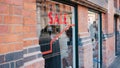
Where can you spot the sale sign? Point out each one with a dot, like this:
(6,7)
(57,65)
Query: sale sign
(57,19)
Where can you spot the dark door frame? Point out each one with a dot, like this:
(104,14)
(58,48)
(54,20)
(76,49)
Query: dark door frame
(101,37)
(115,31)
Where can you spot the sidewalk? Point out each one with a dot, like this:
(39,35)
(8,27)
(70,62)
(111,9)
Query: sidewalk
(116,63)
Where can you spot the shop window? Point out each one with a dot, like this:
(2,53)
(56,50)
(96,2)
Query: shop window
(55,32)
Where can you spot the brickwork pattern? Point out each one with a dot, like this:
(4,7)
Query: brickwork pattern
(18,34)
(109,42)
(85,46)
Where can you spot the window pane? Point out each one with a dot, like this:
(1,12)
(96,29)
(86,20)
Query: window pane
(55,32)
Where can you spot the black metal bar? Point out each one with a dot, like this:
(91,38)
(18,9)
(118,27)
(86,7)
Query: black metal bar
(76,37)
(115,31)
(101,40)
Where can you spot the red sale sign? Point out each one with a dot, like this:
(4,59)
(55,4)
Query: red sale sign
(57,20)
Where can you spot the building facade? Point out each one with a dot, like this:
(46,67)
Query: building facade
(59,33)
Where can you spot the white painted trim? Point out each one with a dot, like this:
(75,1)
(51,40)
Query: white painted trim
(32,46)
(34,38)
(83,33)
(31,54)
(85,40)
(84,36)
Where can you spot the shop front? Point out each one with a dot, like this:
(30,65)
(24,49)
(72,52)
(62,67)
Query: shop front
(56,31)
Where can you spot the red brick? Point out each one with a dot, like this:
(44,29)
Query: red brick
(31,1)
(17,2)
(30,6)
(4,29)
(29,21)
(16,10)
(8,1)
(2,39)
(11,38)
(33,28)
(1,20)
(18,47)
(4,48)
(16,28)
(29,29)
(27,13)
(26,29)
(17,19)
(29,35)
(15,46)
(1,1)
(4,9)
(28,43)
(35,41)
(83,19)
(13,2)
(13,19)
(7,19)
(33,14)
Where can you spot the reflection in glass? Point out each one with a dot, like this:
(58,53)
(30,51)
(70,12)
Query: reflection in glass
(53,18)
(93,31)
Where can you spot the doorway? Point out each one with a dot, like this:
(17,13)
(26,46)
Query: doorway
(94,29)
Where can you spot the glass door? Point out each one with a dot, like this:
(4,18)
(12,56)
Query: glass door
(56,28)
(95,35)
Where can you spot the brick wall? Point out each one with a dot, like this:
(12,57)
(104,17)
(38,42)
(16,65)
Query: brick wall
(105,31)
(85,46)
(108,32)
(18,40)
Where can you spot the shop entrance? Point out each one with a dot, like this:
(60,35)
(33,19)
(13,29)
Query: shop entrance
(56,31)
(95,35)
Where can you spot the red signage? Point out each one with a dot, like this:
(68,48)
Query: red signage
(57,20)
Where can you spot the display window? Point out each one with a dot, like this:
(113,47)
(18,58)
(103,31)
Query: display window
(55,31)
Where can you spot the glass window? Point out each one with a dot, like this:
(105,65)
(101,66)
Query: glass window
(55,31)
(93,28)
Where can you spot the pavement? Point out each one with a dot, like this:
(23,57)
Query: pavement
(116,63)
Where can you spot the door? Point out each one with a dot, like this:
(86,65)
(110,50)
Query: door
(94,28)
